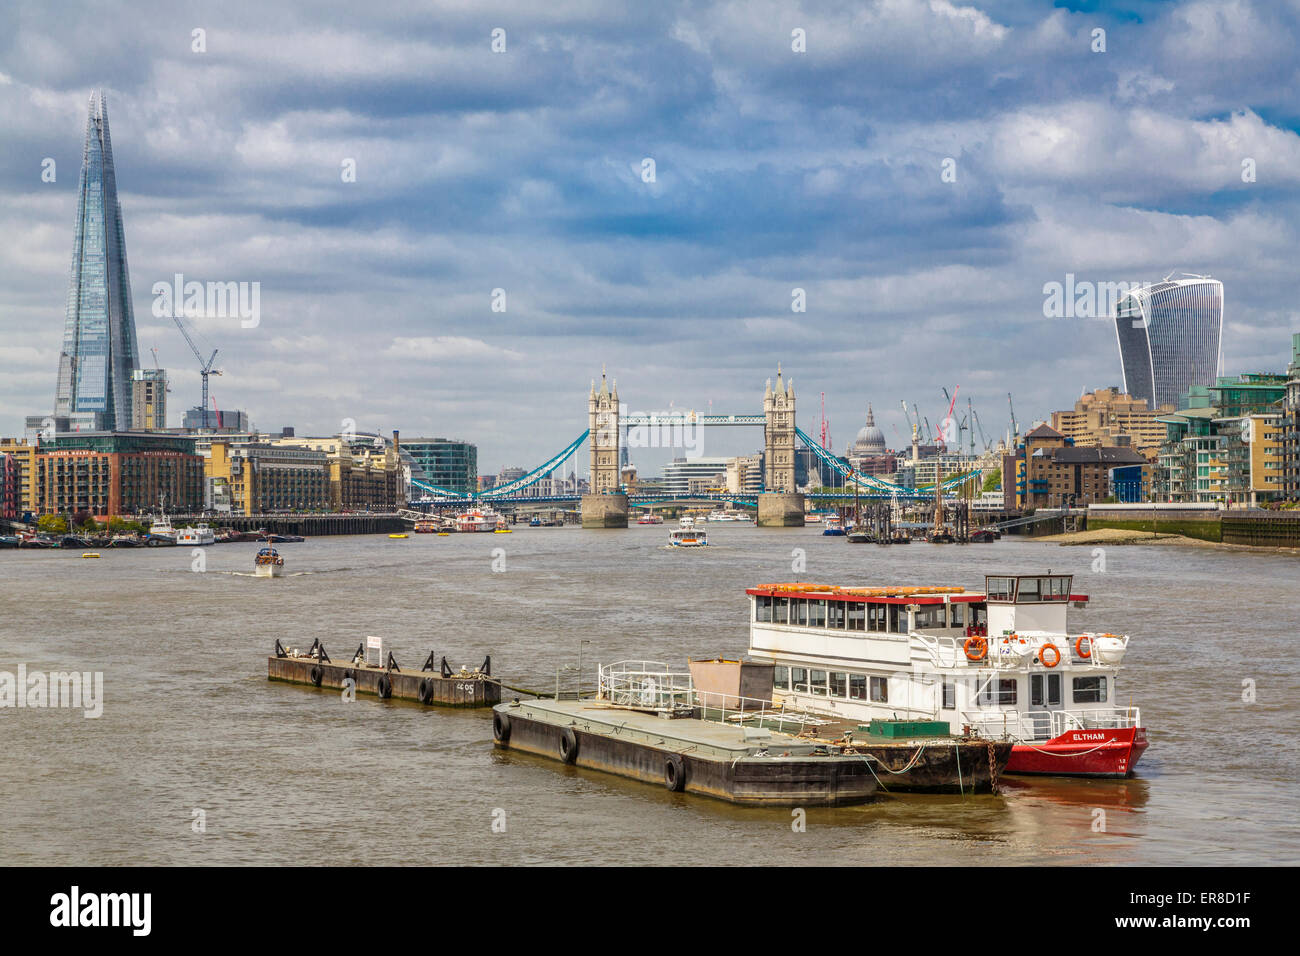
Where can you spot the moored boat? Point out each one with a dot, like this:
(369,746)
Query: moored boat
(650,518)
(1001,663)
(198,535)
(833,527)
(426,526)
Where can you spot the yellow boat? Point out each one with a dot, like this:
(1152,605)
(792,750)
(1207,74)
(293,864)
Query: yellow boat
(501,531)
(444,534)
(91,554)
(398,536)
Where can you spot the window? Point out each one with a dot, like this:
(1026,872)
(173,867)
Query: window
(799,679)
(818,683)
(880,690)
(1000,588)
(781,678)
(1045,694)
(763,609)
(780,610)
(835,615)
(1089,690)
(839,684)
(857,687)
(798,611)
(816,613)
(897,619)
(956,615)
(876,617)
(857,617)
(1001,691)
(949,696)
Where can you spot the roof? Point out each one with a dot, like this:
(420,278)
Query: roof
(1044,431)
(1109,454)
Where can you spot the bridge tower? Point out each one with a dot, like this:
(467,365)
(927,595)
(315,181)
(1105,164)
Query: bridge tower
(606,505)
(780,505)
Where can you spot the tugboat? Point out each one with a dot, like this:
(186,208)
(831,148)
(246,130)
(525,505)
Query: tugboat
(268,563)
(161,533)
(1001,663)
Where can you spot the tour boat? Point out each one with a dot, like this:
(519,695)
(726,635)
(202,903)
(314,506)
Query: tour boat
(688,536)
(426,526)
(199,535)
(649,518)
(1000,662)
(834,527)
(268,563)
(479,521)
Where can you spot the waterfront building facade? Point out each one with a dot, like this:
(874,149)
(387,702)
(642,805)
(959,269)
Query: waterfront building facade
(99,351)
(1169,338)
(1289,433)
(694,476)
(23,455)
(247,478)
(445,462)
(365,472)
(1048,470)
(107,474)
(9,494)
(1108,416)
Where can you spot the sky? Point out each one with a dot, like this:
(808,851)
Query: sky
(920,170)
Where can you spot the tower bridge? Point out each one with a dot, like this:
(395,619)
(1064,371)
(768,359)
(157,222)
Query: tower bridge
(606,505)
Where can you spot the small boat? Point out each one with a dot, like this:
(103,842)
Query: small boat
(276,538)
(91,554)
(812,518)
(8,540)
(268,563)
(649,518)
(860,535)
(199,535)
(124,541)
(535,521)
(834,527)
(398,536)
(688,537)
(501,531)
(444,534)
(983,536)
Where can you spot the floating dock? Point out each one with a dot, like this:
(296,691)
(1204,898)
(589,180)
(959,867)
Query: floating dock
(437,685)
(743,765)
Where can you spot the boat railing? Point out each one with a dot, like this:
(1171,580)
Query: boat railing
(645,685)
(1008,724)
(735,710)
(945,651)
(1110,718)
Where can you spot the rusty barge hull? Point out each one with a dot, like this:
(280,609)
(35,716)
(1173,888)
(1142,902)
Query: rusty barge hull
(425,687)
(946,766)
(682,756)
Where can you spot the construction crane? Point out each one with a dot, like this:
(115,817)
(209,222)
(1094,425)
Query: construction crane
(980,425)
(205,368)
(1015,429)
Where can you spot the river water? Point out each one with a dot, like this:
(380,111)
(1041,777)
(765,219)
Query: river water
(290,775)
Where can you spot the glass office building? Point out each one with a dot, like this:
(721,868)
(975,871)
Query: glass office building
(99,346)
(443,463)
(1169,338)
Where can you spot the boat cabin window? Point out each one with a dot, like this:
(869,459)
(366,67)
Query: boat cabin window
(839,684)
(1090,690)
(817,683)
(857,616)
(880,690)
(956,615)
(931,616)
(1044,690)
(999,588)
(835,615)
(781,678)
(798,612)
(763,609)
(857,687)
(799,679)
(949,696)
(816,613)
(1000,691)
(877,617)
(780,610)
(897,619)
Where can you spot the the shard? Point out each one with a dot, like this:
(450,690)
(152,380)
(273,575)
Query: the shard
(99,345)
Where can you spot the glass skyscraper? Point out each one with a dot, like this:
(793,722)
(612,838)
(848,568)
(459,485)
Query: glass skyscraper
(1169,338)
(99,346)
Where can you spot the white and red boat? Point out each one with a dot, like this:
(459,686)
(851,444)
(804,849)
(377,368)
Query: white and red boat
(479,521)
(1000,662)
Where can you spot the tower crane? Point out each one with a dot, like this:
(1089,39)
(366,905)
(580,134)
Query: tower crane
(205,368)
(1015,429)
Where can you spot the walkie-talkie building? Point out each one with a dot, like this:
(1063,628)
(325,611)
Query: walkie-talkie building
(99,346)
(1169,338)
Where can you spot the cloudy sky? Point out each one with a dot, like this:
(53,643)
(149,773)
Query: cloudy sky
(775,169)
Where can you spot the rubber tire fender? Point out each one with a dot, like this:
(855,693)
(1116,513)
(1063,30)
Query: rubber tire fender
(317,674)
(384,687)
(500,727)
(426,690)
(675,773)
(568,745)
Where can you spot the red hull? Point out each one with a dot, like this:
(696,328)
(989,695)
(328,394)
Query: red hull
(1082,753)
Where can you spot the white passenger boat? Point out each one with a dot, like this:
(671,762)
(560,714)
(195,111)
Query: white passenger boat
(196,536)
(1001,662)
(688,536)
(472,521)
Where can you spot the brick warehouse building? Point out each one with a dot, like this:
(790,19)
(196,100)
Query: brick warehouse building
(108,474)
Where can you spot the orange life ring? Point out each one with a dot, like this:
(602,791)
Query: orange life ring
(1056,654)
(1078,646)
(976,648)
